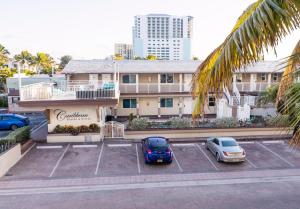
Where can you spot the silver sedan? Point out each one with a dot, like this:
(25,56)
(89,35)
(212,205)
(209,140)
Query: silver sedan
(225,149)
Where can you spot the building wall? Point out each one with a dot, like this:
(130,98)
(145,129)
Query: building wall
(148,106)
(173,110)
(80,76)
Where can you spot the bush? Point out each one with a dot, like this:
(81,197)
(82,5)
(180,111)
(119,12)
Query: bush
(3,102)
(83,129)
(278,121)
(20,135)
(226,123)
(94,127)
(59,129)
(177,122)
(139,123)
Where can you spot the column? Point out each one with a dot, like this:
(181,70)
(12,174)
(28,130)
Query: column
(138,107)
(158,107)
(180,82)
(269,79)
(158,82)
(180,106)
(252,82)
(137,83)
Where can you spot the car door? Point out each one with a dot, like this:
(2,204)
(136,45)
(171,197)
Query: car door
(2,126)
(5,122)
(144,145)
(215,145)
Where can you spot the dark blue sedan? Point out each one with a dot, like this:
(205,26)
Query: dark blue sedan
(12,121)
(157,150)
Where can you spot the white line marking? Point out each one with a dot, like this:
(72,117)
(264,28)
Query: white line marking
(99,158)
(252,164)
(277,155)
(50,147)
(119,145)
(59,160)
(246,142)
(274,142)
(174,156)
(137,157)
(85,146)
(183,145)
(211,162)
(203,143)
(35,129)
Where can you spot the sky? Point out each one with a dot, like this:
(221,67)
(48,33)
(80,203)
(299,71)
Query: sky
(88,29)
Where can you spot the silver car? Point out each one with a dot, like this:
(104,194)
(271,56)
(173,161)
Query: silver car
(225,149)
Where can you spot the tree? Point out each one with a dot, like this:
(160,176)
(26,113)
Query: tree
(24,58)
(6,73)
(151,57)
(44,62)
(64,60)
(195,58)
(261,27)
(118,57)
(137,58)
(3,55)
(269,95)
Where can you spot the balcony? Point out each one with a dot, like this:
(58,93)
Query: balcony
(154,88)
(253,87)
(70,91)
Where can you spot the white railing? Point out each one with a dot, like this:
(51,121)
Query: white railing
(70,91)
(149,88)
(257,86)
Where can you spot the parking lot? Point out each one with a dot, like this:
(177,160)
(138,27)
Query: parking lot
(46,161)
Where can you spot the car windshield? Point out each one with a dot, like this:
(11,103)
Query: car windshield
(229,143)
(158,143)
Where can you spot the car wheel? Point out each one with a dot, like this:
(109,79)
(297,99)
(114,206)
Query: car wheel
(13,127)
(218,157)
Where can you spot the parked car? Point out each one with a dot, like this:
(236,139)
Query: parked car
(225,149)
(13,121)
(157,150)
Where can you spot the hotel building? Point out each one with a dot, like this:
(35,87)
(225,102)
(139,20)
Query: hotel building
(165,36)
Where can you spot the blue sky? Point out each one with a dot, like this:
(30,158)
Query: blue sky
(87,29)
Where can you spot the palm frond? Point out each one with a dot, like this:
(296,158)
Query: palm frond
(260,27)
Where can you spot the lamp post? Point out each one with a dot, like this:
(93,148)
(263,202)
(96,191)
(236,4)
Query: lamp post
(19,80)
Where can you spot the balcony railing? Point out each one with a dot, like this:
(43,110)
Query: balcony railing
(70,91)
(255,86)
(152,88)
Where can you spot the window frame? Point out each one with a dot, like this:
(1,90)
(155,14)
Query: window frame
(132,105)
(166,78)
(165,103)
(211,102)
(131,79)
(263,75)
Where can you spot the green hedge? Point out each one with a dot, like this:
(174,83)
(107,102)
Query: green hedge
(20,135)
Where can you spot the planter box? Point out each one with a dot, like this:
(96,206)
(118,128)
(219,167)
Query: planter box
(87,137)
(9,158)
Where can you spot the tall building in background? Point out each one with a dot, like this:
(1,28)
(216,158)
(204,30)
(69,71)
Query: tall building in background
(165,36)
(124,50)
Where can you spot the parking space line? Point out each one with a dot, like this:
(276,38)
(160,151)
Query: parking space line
(99,159)
(85,146)
(35,129)
(174,156)
(211,162)
(203,143)
(251,142)
(28,150)
(273,142)
(137,157)
(183,145)
(277,155)
(251,163)
(119,145)
(59,160)
(50,147)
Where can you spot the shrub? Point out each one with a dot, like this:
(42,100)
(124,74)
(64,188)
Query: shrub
(83,129)
(94,127)
(177,122)
(139,123)
(59,129)
(20,135)
(278,121)
(226,123)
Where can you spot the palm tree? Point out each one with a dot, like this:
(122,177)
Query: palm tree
(24,58)
(43,62)
(3,55)
(261,27)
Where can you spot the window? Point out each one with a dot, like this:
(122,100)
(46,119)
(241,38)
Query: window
(129,103)
(263,77)
(15,99)
(130,78)
(211,101)
(275,77)
(166,102)
(239,77)
(166,78)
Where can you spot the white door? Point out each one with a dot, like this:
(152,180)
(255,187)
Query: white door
(188,105)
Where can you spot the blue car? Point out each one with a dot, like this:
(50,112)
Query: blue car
(13,121)
(157,150)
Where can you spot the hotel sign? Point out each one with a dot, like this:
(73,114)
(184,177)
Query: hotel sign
(63,115)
